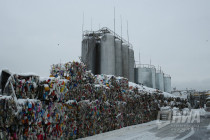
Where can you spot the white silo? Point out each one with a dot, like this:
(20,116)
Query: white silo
(118,57)
(131,65)
(159,80)
(167,83)
(107,65)
(125,67)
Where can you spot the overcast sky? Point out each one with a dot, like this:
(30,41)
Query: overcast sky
(175,34)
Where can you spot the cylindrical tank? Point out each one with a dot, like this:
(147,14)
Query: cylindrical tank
(118,57)
(89,53)
(131,65)
(153,72)
(159,80)
(107,54)
(136,75)
(125,67)
(98,57)
(146,76)
(167,83)
(0,82)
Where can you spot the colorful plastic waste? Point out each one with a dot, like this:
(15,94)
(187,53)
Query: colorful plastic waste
(73,103)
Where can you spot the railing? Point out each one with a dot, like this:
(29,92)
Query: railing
(145,66)
(166,75)
(106,30)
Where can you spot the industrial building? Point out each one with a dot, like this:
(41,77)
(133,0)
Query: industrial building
(105,52)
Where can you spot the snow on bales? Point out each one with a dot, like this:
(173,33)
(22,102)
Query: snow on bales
(73,99)
(149,90)
(72,71)
(54,89)
(111,80)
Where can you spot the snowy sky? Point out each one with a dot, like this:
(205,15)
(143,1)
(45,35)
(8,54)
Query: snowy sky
(175,34)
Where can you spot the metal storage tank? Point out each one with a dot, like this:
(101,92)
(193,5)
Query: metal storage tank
(136,75)
(125,66)
(89,53)
(146,75)
(131,64)
(107,54)
(98,58)
(0,82)
(167,83)
(153,72)
(118,57)
(159,80)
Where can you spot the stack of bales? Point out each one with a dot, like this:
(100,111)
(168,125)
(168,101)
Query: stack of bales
(104,53)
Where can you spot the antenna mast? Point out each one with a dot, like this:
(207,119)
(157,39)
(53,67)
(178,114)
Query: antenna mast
(150,62)
(82,25)
(91,24)
(127,32)
(121,26)
(114,22)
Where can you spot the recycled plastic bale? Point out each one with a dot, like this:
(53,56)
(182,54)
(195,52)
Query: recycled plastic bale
(73,103)
(7,111)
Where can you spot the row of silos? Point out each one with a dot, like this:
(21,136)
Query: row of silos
(107,54)
(150,77)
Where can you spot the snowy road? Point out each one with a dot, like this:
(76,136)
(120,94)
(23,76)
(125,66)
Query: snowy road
(150,131)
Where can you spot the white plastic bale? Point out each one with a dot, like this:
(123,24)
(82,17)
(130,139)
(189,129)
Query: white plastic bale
(159,81)
(118,51)
(107,65)
(167,84)
(125,67)
(89,53)
(131,65)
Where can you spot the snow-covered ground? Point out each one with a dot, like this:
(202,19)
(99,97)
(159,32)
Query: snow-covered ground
(135,132)
(150,131)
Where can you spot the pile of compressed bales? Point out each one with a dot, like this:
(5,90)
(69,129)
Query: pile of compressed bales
(73,103)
